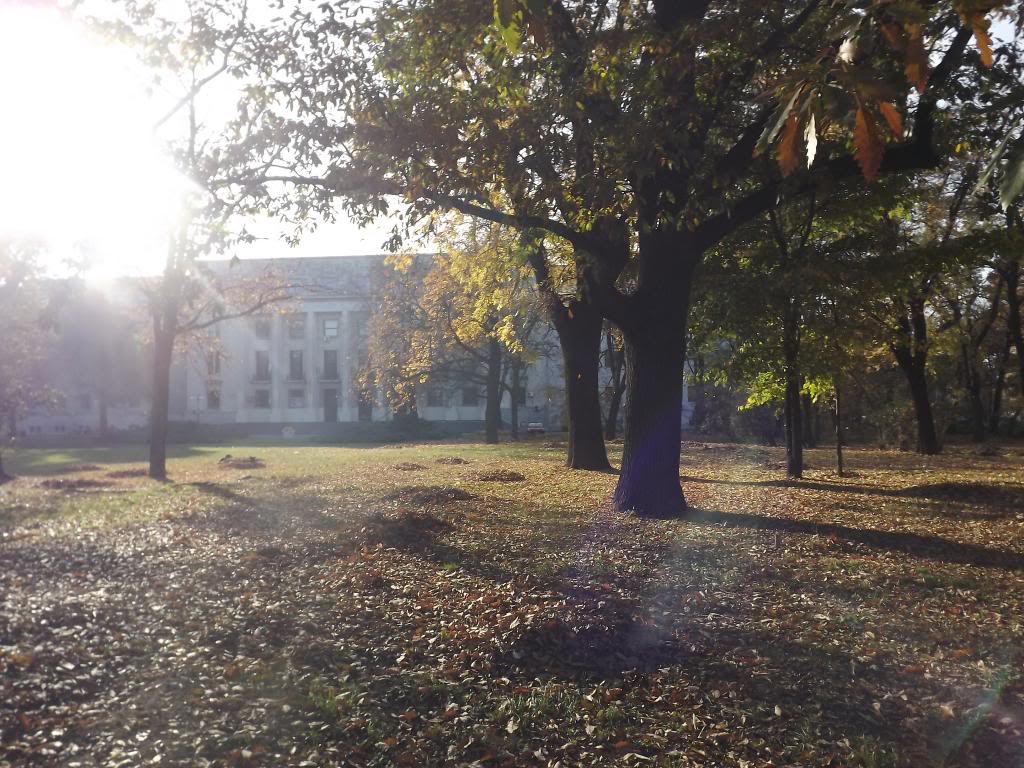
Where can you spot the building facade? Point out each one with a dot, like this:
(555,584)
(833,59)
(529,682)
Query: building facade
(294,370)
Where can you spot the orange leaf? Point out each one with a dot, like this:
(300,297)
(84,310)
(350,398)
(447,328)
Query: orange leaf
(893,118)
(916,66)
(786,153)
(867,144)
(894,36)
(979,25)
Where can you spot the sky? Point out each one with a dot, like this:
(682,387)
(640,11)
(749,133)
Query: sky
(82,171)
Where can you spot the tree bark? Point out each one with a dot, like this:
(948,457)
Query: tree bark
(579,335)
(794,425)
(163,353)
(911,352)
(649,480)
(514,406)
(616,365)
(996,411)
(578,327)
(1013,315)
(838,419)
(492,411)
(655,342)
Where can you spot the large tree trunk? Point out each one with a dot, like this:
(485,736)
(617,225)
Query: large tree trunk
(492,411)
(580,338)
(794,425)
(163,354)
(917,379)
(649,481)
(655,341)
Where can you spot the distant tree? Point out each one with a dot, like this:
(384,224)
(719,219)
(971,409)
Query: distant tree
(202,44)
(24,320)
(467,315)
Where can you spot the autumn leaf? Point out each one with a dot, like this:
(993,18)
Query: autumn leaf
(979,26)
(867,144)
(916,58)
(893,118)
(787,153)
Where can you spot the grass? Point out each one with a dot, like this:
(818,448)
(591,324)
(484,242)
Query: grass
(382,606)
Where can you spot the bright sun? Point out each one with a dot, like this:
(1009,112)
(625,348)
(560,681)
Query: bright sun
(80,168)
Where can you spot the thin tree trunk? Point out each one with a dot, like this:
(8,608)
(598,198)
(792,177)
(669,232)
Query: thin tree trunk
(1013,315)
(838,419)
(793,405)
(4,477)
(809,421)
(617,366)
(104,426)
(492,411)
(911,352)
(996,411)
(514,407)
(163,353)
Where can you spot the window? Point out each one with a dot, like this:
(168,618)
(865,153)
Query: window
(435,396)
(262,366)
(213,363)
(470,395)
(331,364)
(296,398)
(213,399)
(295,365)
(261,398)
(330,328)
(261,327)
(297,327)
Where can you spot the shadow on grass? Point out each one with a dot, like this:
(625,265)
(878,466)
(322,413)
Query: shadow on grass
(913,544)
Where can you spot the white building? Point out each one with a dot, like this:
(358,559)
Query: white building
(292,370)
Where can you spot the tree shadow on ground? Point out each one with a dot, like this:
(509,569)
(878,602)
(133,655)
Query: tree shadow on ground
(914,544)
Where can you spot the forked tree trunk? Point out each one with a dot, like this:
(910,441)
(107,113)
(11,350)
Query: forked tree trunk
(655,342)
(578,327)
(580,338)
(911,353)
(492,410)
(163,353)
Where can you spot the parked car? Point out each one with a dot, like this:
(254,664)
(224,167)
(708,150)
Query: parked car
(535,428)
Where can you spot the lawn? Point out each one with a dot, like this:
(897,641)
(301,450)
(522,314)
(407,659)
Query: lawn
(461,604)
